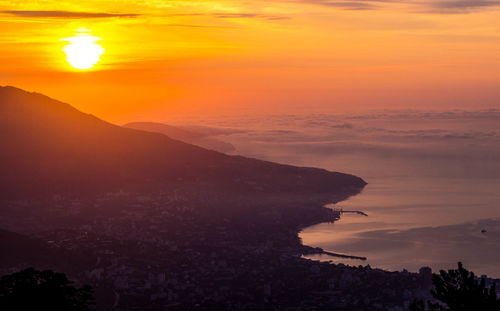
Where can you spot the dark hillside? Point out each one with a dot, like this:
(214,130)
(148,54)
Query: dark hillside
(48,147)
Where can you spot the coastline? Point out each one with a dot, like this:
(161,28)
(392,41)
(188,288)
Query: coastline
(330,216)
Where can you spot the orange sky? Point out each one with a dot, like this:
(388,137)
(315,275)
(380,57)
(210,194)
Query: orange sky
(165,58)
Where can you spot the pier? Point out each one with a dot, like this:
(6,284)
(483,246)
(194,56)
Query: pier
(342,211)
(332,254)
(307,250)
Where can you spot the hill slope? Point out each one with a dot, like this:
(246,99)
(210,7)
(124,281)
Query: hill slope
(187,136)
(49,147)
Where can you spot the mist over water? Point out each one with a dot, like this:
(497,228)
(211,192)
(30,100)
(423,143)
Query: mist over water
(433,181)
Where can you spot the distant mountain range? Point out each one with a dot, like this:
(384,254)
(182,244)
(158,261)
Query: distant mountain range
(194,137)
(48,147)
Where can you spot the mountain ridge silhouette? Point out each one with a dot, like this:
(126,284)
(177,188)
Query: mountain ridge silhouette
(49,147)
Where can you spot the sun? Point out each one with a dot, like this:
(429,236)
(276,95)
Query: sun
(83,51)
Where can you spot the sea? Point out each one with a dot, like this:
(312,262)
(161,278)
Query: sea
(433,193)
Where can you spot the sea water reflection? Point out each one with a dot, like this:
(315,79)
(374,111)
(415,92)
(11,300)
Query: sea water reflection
(410,226)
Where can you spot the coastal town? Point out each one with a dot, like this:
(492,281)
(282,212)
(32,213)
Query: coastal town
(164,252)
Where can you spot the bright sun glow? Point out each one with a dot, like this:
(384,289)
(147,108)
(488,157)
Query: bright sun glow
(83,52)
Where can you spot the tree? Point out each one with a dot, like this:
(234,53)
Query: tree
(459,290)
(43,290)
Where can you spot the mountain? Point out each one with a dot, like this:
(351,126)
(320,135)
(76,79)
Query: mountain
(187,136)
(48,147)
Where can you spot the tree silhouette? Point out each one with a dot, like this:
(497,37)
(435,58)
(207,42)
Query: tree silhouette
(459,290)
(43,290)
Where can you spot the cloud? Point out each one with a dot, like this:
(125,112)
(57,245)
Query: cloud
(460,6)
(437,6)
(344,125)
(347,5)
(248,15)
(198,26)
(232,15)
(67,14)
